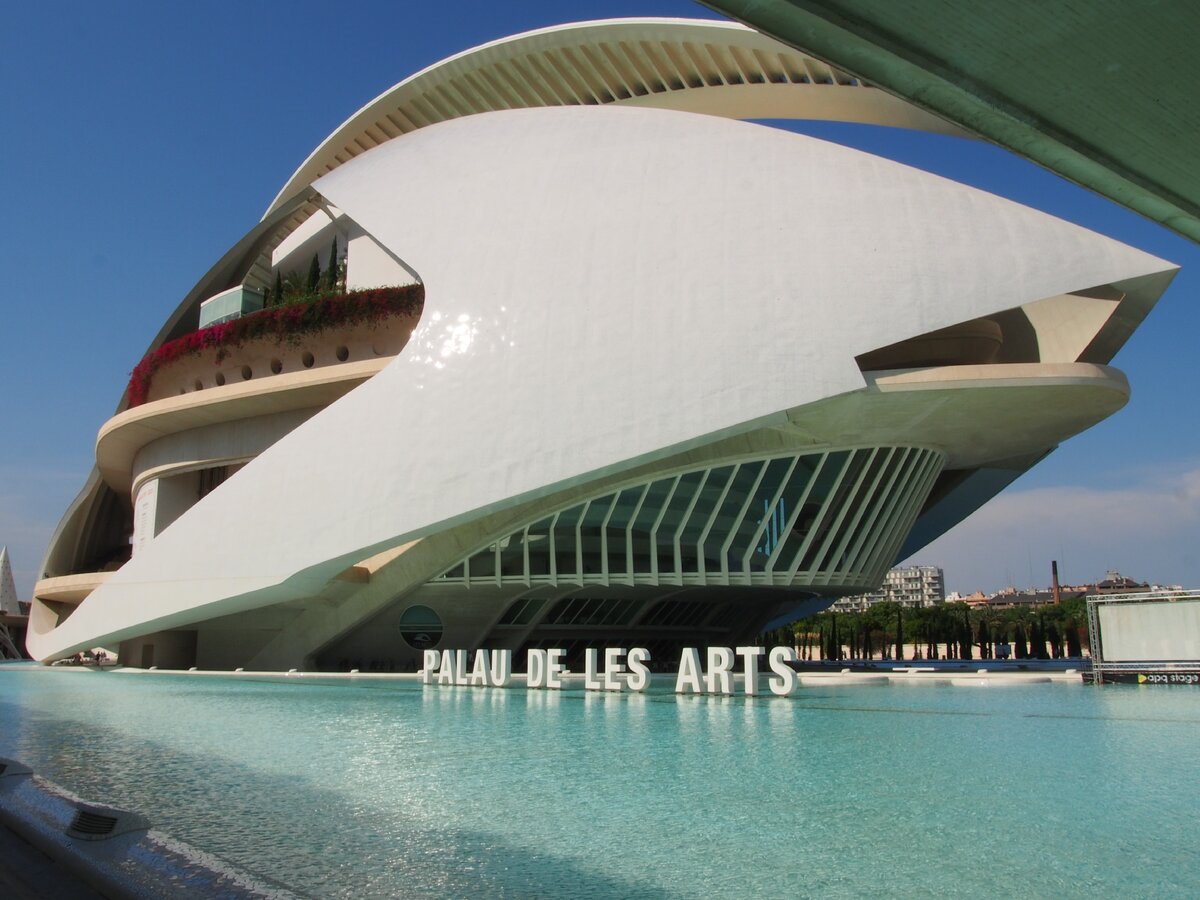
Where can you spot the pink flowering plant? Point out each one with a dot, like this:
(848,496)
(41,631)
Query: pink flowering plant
(287,323)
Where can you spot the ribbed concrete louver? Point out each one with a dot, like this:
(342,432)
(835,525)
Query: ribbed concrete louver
(822,519)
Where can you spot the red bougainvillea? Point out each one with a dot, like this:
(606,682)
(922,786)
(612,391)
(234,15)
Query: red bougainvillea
(283,324)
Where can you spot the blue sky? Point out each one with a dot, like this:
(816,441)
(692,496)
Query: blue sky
(142,139)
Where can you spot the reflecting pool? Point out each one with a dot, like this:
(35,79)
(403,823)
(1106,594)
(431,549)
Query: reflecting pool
(393,789)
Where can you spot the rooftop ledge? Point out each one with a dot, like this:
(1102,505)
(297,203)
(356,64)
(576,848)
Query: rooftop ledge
(71,589)
(999,375)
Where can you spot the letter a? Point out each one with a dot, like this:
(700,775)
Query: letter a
(688,678)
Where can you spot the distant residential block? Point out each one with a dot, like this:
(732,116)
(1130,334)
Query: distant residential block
(910,586)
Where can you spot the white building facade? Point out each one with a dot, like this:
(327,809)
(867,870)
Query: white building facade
(613,366)
(910,586)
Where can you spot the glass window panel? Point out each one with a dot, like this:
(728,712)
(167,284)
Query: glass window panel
(622,513)
(483,563)
(701,512)
(560,609)
(755,516)
(743,482)
(510,614)
(593,518)
(809,515)
(886,466)
(628,609)
(564,542)
(454,573)
(689,485)
(527,613)
(651,506)
(512,554)
(539,548)
(833,508)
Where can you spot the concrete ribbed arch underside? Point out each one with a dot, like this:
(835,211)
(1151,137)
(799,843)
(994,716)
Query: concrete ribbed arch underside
(604,288)
(717,68)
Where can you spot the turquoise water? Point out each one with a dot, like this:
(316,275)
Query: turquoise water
(382,790)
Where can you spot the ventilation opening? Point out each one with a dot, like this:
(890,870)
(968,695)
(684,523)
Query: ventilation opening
(99,823)
(93,824)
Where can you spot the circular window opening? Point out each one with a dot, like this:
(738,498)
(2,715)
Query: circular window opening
(420,627)
(343,353)
(247,373)
(276,366)
(307,359)
(199,385)
(220,378)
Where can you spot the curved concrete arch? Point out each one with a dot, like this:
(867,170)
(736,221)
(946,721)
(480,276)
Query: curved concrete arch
(693,65)
(570,335)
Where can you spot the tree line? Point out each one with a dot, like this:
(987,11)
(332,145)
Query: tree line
(945,631)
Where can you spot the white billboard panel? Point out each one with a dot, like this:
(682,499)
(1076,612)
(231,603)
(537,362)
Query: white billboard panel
(1150,630)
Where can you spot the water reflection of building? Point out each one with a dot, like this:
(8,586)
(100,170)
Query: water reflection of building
(624,371)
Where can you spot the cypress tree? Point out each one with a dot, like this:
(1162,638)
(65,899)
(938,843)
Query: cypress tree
(1037,640)
(331,273)
(314,275)
(277,292)
(1073,647)
(899,632)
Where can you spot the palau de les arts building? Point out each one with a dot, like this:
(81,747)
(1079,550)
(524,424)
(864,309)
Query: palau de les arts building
(616,367)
